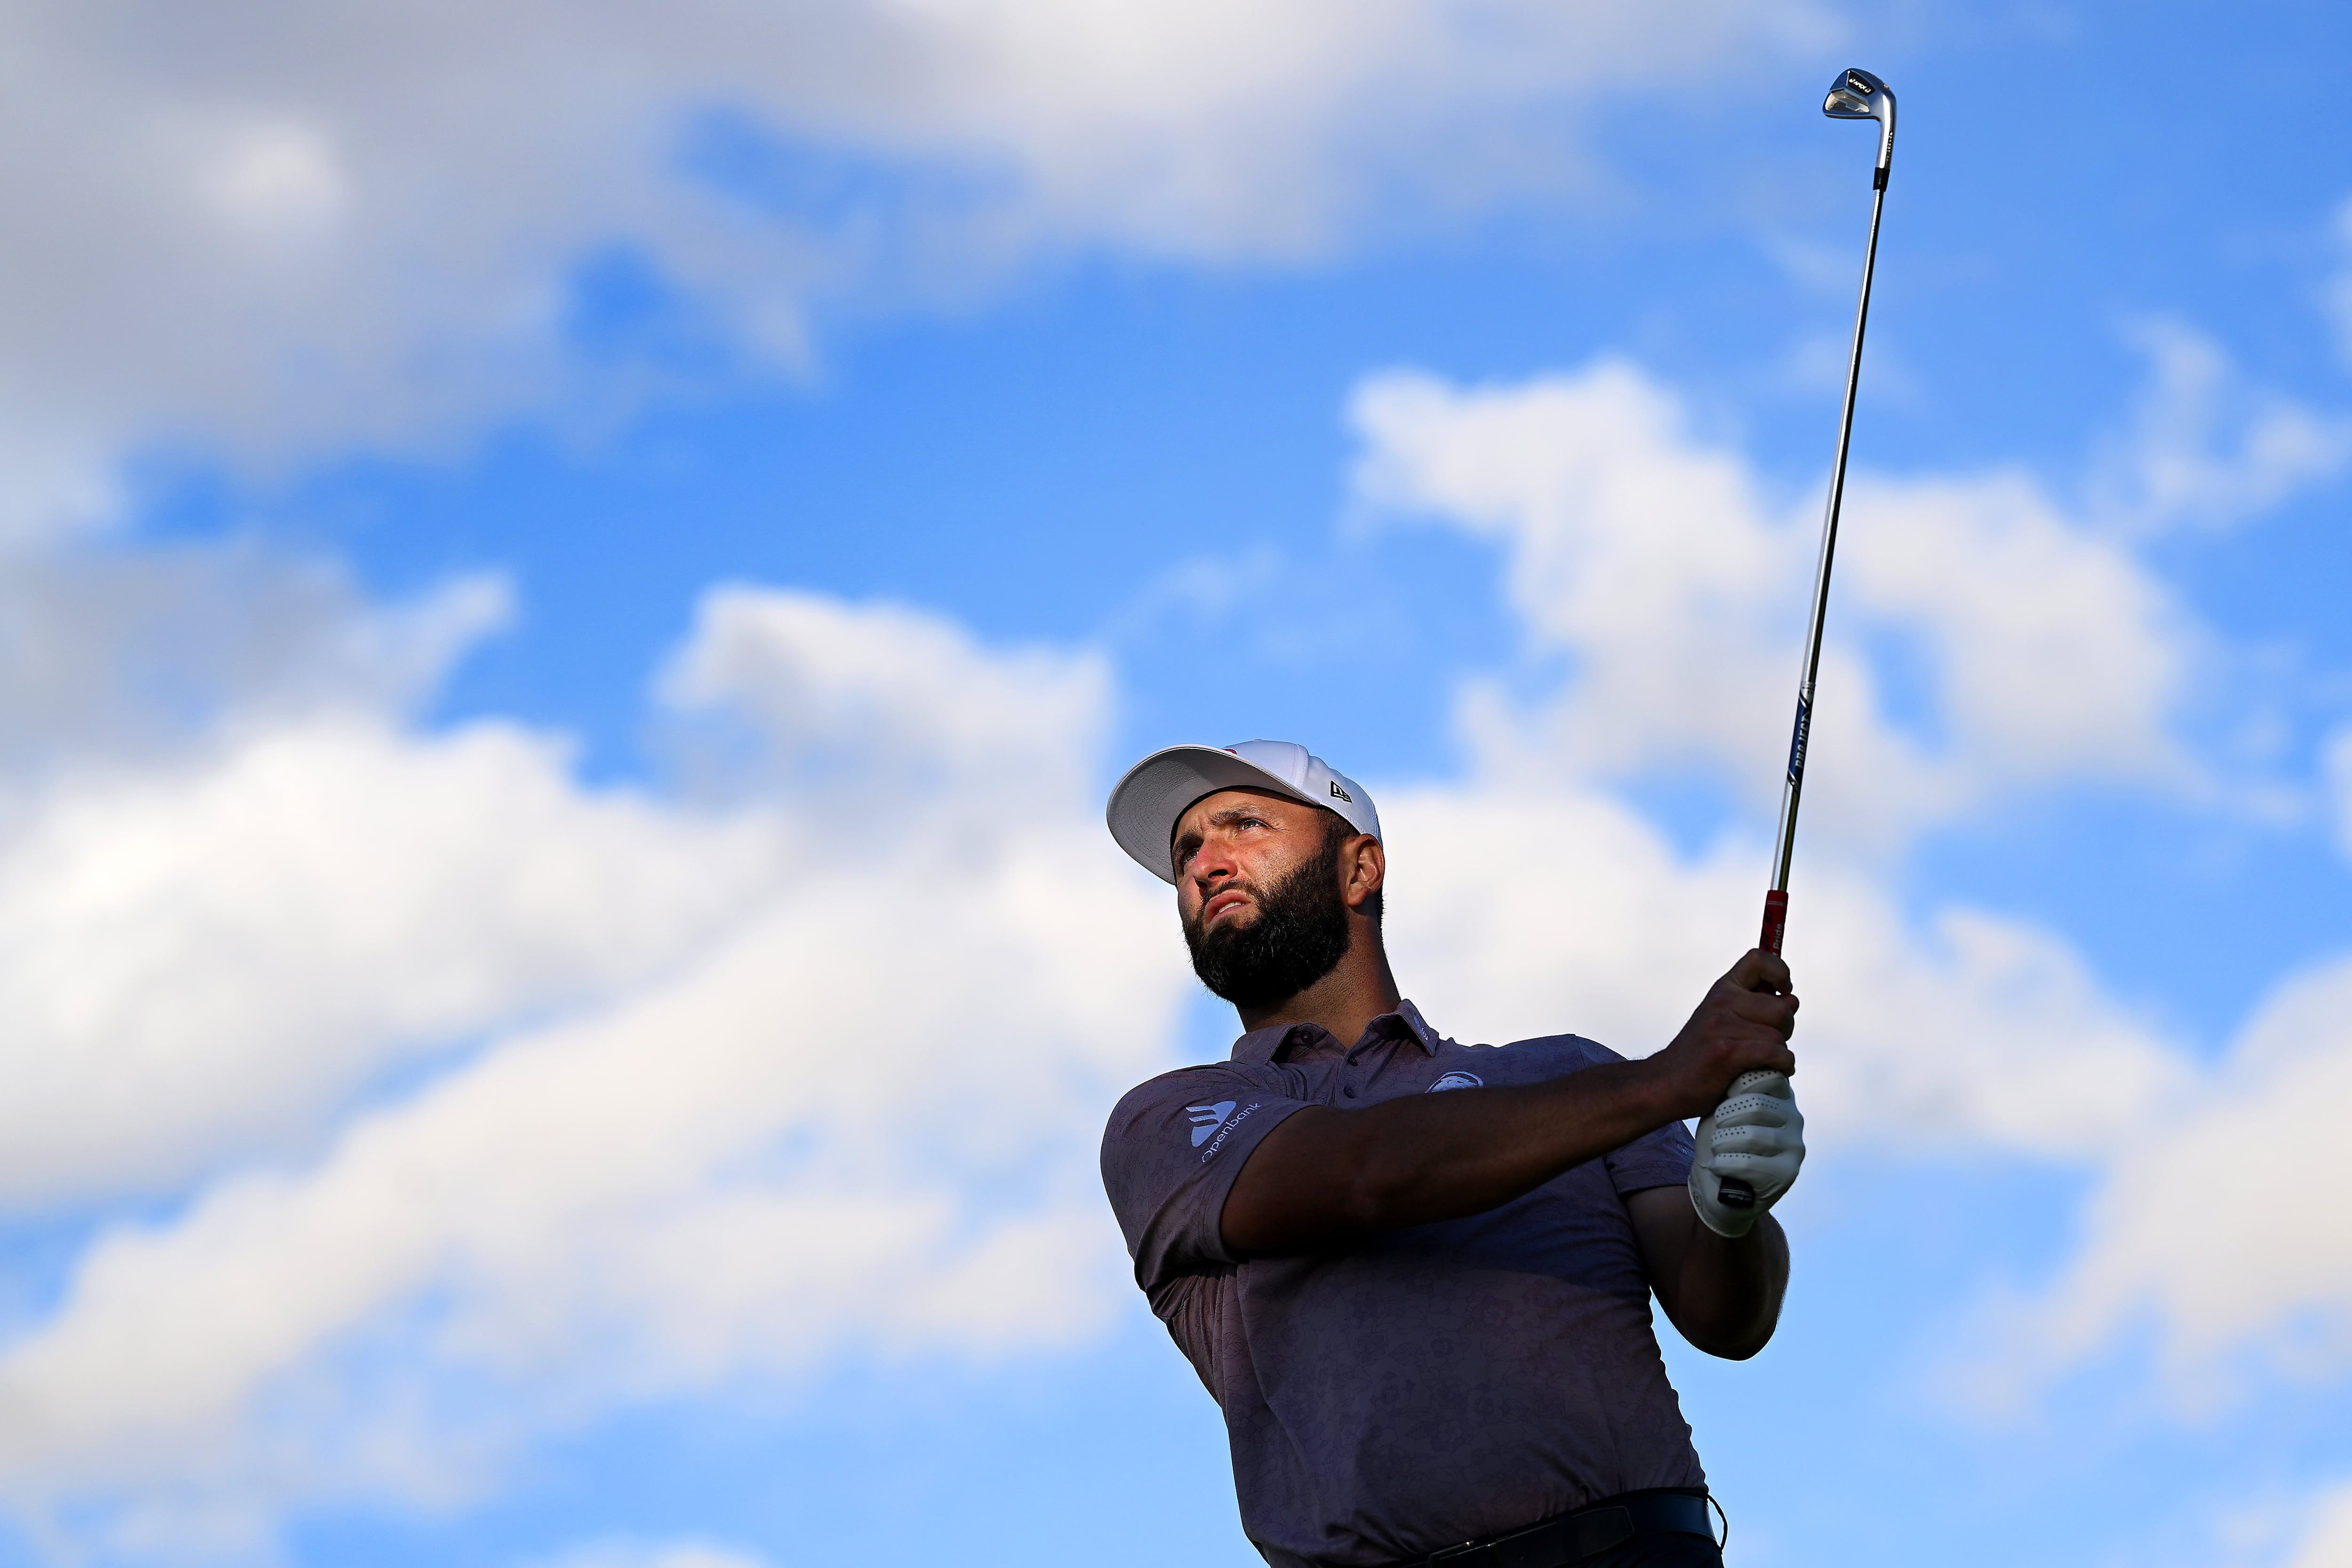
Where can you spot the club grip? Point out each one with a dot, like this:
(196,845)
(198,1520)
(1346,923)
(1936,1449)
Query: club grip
(1734,1193)
(1776,922)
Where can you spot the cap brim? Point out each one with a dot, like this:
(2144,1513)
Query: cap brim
(1146,805)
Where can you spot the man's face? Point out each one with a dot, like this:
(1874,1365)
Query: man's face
(1230,845)
(1258,886)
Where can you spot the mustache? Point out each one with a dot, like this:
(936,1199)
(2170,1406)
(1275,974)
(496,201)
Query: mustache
(1193,922)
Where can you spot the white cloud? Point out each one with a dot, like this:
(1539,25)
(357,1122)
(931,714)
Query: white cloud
(2204,447)
(858,1117)
(2244,1167)
(887,705)
(2328,1542)
(1659,564)
(200,959)
(1529,899)
(287,231)
(1630,546)
(115,656)
(235,891)
(1527,912)
(2054,651)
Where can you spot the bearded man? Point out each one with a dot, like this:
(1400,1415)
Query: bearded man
(1426,1315)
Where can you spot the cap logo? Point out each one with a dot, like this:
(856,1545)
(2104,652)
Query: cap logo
(1341,794)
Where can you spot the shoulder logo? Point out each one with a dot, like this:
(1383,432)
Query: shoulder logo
(1457,1080)
(1339,793)
(1207,1118)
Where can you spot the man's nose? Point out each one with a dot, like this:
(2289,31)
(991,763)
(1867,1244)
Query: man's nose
(1211,863)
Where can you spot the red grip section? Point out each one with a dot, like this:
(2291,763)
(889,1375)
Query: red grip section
(1776,922)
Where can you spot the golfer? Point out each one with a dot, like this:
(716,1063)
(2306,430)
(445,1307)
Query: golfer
(1417,1275)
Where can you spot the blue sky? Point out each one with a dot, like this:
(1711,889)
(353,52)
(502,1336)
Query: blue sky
(573,585)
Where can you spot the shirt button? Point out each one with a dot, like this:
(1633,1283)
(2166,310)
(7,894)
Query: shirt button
(1349,1092)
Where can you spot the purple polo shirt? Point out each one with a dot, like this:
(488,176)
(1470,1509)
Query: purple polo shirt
(1419,1387)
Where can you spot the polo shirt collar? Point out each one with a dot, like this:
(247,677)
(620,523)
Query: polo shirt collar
(1261,1046)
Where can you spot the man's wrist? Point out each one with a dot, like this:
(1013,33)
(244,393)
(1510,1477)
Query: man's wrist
(1652,1092)
(1730,1240)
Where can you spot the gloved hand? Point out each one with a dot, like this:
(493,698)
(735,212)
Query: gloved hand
(1757,1136)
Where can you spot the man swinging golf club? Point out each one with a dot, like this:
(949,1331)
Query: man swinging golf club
(1426,1315)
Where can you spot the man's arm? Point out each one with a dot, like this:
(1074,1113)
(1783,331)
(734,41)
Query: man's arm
(1326,1175)
(1723,1295)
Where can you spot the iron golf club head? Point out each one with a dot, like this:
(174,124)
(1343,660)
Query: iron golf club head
(1858,95)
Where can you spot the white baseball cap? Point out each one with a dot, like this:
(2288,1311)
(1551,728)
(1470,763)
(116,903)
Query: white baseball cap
(1146,805)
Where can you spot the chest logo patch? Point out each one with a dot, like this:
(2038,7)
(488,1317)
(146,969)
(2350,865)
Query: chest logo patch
(1457,1080)
(1207,1118)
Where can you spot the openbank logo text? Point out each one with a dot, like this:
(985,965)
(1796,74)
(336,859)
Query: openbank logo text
(1220,1119)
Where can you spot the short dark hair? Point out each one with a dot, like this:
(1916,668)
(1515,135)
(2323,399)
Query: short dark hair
(1337,828)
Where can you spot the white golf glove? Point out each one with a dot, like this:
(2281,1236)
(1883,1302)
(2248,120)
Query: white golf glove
(1756,1136)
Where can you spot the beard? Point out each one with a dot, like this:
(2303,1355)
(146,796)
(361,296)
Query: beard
(1299,936)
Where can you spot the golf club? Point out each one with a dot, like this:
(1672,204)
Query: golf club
(1854,94)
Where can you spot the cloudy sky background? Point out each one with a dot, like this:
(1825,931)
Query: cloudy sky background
(571,579)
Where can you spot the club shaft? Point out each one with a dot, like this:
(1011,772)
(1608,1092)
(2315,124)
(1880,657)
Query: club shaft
(1793,787)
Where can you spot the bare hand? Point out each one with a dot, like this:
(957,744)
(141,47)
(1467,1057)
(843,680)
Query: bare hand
(1744,1023)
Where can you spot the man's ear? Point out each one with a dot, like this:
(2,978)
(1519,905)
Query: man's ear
(1368,869)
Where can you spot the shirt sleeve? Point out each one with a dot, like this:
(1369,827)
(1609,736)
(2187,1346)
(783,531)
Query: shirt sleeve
(1660,1159)
(1170,1156)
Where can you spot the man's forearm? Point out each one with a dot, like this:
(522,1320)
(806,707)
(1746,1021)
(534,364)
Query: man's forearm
(1325,1175)
(1722,1294)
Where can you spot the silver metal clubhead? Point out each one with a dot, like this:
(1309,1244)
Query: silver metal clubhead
(1858,95)
(1851,95)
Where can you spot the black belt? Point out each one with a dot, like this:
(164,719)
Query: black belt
(1573,1538)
